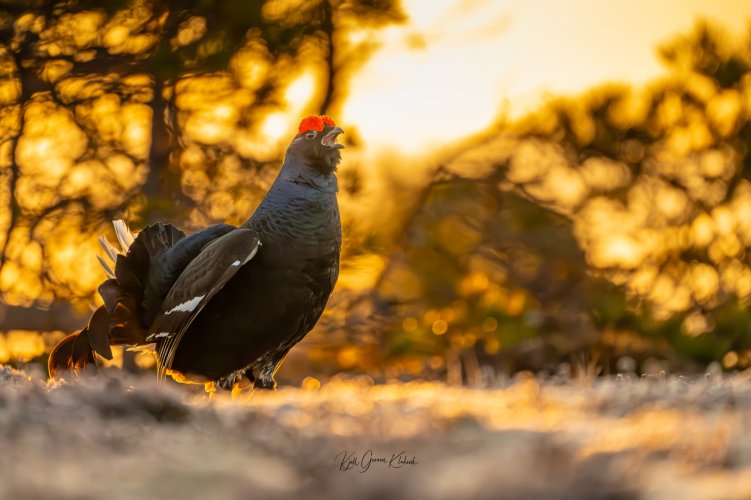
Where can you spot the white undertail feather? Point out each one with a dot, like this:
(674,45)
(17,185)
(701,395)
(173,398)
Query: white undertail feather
(111,253)
(110,250)
(107,269)
(124,236)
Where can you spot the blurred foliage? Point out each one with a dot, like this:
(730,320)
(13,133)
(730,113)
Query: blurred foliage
(613,223)
(152,110)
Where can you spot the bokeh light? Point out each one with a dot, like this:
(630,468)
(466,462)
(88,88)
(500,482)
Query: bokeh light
(613,219)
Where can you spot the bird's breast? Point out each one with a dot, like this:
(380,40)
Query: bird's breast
(299,228)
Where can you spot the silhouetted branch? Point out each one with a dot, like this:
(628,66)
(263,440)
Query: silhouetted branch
(58,316)
(13,205)
(327,28)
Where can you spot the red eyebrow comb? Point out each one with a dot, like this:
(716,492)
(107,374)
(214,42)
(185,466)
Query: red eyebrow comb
(317,123)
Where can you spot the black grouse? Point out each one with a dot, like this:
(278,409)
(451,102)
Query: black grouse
(226,302)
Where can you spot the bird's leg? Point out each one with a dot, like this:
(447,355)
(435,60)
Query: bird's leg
(268,367)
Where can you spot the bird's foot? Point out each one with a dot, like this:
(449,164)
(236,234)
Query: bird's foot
(265,383)
(265,377)
(239,378)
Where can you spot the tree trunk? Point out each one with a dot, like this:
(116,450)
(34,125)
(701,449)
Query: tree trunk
(327,26)
(162,187)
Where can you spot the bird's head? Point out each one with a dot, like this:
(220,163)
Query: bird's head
(315,144)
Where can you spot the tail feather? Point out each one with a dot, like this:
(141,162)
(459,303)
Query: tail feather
(159,237)
(121,320)
(124,296)
(97,333)
(130,276)
(73,353)
(125,327)
(132,269)
(111,293)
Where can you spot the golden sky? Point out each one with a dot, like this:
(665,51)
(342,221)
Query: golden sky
(458,63)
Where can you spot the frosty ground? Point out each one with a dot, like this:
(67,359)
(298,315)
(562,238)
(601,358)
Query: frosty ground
(115,437)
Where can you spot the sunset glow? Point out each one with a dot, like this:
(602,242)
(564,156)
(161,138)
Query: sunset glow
(465,63)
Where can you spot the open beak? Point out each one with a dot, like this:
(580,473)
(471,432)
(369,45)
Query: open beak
(329,140)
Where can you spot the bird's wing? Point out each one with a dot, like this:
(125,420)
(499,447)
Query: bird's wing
(203,277)
(167,266)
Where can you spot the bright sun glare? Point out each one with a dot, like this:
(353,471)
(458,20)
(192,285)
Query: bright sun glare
(445,72)
(277,126)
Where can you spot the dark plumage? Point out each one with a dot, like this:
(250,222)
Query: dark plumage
(226,302)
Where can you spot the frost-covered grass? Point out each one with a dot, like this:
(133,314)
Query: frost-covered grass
(109,437)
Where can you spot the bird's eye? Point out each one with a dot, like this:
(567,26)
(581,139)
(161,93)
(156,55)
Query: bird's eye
(311,134)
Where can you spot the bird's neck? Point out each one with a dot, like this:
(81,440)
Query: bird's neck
(299,197)
(297,170)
